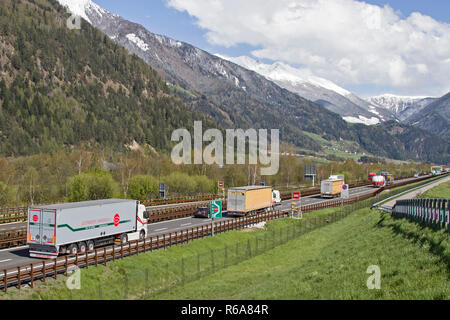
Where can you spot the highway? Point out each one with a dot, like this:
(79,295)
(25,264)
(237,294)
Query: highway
(19,256)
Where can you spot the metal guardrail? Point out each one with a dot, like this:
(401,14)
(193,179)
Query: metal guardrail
(174,200)
(433,212)
(8,215)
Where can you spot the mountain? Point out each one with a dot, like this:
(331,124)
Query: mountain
(401,106)
(60,88)
(321,91)
(235,97)
(232,96)
(434,118)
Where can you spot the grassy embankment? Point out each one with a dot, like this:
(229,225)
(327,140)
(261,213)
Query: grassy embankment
(441,191)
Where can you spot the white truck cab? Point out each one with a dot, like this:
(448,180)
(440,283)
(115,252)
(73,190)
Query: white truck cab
(276,198)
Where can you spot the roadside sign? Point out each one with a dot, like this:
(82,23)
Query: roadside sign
(216,209)
(162,190)
(221,184)
(296,195)
(345,191)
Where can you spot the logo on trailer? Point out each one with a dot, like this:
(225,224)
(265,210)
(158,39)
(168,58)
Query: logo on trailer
(35,218)
(116,220)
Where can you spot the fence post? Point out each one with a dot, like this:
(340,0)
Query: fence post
(67,266)
(43,270)
(146,283)
(167,277)
(5,281)
(19,281)
(126,286)
(100,291)
(182,271)
(225,260)
(32,276)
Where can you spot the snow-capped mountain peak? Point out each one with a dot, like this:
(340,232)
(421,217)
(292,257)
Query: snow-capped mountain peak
(322,91)
(401,106)
(83,8)
(77,7)
(283,72)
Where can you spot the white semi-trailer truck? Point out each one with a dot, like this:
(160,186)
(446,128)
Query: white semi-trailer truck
(81,226)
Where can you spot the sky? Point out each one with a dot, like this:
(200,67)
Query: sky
(368,47)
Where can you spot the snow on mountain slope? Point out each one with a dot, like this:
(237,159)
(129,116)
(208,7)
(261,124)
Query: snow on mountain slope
(283,72)
(322,91)
(84,8)
(402,106)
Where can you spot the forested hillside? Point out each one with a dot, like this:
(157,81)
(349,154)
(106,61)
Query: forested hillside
(60,87)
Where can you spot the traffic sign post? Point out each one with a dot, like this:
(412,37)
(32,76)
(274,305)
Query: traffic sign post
(345,194)
(215,212)
(310,172)
(162,190)
(221,187)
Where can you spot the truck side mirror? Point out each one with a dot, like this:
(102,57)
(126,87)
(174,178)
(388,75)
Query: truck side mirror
(146,215)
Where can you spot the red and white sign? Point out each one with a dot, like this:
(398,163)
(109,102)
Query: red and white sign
(116,220)
(221,184)
(296,195)
(35,218)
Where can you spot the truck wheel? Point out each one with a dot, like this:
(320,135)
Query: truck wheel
(123,238)
(73,249)
(90,245)
(142,234)
(82,247)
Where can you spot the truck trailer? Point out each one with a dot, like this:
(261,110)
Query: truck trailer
(331,188)
(249,199)
(81,226)
(388,177)
(378,181)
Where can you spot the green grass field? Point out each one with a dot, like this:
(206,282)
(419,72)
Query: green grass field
(442,191)
(331,263)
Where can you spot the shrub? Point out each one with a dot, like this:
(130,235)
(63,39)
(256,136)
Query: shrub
(92,186)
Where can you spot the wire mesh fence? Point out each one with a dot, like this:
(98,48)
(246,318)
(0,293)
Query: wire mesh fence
(156,278)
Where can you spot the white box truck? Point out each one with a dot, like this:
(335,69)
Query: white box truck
(81,226)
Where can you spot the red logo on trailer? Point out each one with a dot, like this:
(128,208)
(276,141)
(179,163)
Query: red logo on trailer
(35,218)
(116,220)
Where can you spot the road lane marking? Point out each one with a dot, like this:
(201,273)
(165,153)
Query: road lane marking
(5,260)
(186,224)
(160,229)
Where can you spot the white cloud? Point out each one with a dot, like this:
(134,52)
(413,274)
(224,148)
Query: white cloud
(347,41)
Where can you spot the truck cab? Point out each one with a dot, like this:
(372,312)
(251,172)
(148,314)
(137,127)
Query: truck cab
(276,198)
